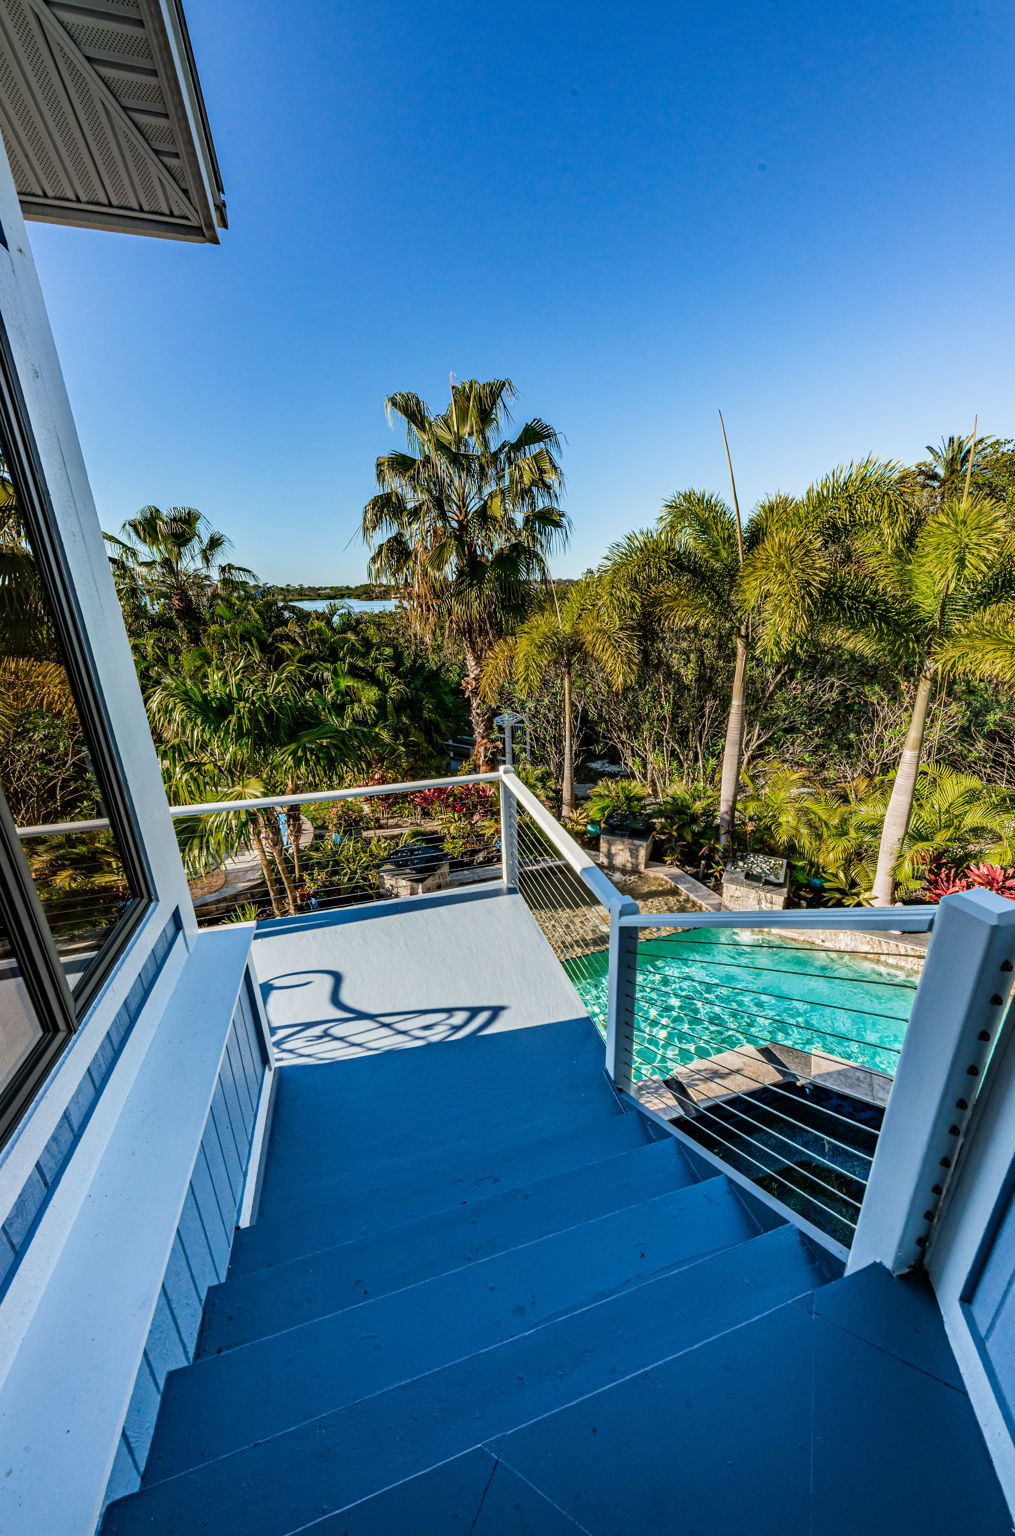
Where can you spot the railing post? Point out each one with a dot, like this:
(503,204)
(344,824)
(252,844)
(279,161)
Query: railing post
(508,833)
(621,996)
(957,1012)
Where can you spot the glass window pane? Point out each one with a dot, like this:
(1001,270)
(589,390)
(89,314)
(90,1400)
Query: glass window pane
(20,1030)
(46,770)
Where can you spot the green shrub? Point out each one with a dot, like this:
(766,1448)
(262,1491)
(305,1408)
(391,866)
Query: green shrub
(685,820)
(625,795)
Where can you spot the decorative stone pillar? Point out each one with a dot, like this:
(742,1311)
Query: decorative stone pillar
(622,855)
(741,895)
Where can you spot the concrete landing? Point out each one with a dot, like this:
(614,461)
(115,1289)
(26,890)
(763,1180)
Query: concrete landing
(431,969)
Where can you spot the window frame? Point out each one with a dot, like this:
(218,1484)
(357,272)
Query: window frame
(59,1010)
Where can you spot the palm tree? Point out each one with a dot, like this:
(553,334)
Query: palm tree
(943,472)
(934,594)
(555,641)
(689,567)
(750,585)
(172,560)
(465,523)
(954,812)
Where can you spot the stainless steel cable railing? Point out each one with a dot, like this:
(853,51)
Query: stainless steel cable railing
(569,896)
(777,1052)
(289,855)
(771,1039)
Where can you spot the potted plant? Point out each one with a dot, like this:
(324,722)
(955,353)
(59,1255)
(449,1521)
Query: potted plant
(617,808)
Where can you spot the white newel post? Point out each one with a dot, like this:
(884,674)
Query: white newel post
(621,996)
(508,833)
(960,1002)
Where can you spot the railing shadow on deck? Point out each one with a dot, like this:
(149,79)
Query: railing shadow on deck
(340,1030)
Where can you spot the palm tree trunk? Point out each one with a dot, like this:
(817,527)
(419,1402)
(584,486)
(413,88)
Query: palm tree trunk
(294,828)
(277,905)
(480,712)
(731,751)
(567,785)
(273,837)
(900,805)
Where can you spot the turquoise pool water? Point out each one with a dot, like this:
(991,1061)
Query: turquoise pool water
(706,990)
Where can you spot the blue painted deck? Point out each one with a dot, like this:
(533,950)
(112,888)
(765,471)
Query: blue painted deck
(486,1295)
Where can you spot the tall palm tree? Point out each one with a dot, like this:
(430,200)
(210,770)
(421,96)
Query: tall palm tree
(692,562)
(172,559)
(554,641)
(934,594)
(712,573)
(953,811)
(465,522)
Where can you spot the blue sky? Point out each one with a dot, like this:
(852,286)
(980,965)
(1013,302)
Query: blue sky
(800,212)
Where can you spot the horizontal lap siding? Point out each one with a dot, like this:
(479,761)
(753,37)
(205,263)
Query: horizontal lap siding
(200,1252)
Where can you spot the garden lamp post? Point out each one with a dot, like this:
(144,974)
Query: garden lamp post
(507,722)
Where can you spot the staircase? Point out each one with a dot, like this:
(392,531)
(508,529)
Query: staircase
(485,1295)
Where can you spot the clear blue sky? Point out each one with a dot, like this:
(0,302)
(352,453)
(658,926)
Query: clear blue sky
(800,212)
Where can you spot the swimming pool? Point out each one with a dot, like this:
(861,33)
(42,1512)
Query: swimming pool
(706,990)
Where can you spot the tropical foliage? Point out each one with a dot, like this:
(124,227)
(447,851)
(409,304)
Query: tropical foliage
(825,677)
(588,625)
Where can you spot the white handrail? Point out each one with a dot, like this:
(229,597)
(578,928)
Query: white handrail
(856,919)
(310,797)
(600,885)
(316,797)
(59,828)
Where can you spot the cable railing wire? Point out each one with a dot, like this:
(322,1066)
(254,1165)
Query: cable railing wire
(798,1146)
(762,1043)
(801,948)
(892,1018)
(814,1029)
(777,1173)
(359,849)
(781,1088)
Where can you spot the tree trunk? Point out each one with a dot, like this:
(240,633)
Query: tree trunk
(294,828)
(731,751)
(567,784)
(273,837)
(900,805)
(480,713)
(277,905)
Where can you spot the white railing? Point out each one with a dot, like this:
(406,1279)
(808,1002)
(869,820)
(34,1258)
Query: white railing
(275,864)
(773,1095)
(850,1115)
(329,796)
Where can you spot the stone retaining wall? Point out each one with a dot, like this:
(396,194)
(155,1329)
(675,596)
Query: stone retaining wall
(904,952)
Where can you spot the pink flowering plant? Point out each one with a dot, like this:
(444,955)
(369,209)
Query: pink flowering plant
(944,879)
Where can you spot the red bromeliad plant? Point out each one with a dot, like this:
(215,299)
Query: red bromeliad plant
(993,877)
(943,879)
(454,800)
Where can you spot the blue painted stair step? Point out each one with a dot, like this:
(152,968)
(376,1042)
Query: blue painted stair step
(282,1381)
(351,1213)
(346,1122)
(283,1483)
(472,1495)
(253,1306)
(789,1426)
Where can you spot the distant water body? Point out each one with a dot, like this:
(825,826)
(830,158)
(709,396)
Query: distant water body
(355,604)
